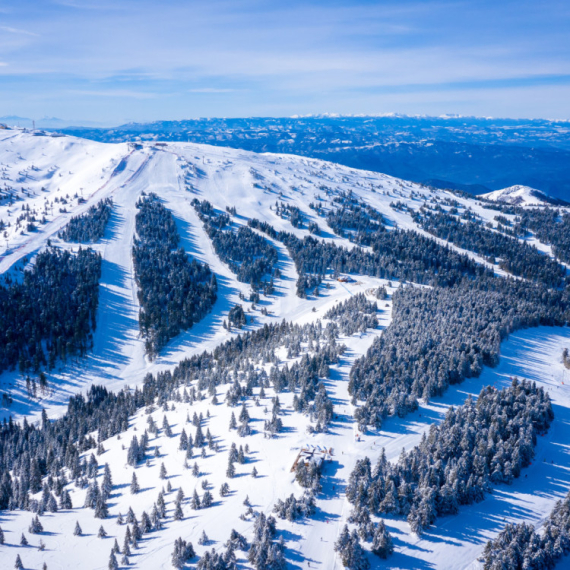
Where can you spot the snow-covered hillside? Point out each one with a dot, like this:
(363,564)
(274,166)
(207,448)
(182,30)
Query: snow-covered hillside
(520,196)
(51,179)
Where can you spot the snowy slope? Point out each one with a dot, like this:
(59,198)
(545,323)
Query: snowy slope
(519,196)
(38,169)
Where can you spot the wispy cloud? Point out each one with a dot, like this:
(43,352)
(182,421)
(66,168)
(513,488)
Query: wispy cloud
(18,31)
(121,93)
(211,90)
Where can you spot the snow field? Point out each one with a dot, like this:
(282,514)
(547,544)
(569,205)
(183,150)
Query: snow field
(252,183)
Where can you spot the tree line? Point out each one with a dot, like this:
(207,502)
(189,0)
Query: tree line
(51,313)
(174,290)
(89,227)
(479,444)
(440,336)
(514,256)
(247,254)
(520,547)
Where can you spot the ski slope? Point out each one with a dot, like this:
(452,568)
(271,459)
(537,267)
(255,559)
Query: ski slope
(38,169)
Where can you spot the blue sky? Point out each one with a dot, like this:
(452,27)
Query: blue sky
(140,60)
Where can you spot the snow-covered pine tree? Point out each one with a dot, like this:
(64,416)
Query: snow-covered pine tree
(101,509)
(183,445)
(382,544)
(166,427)
(35,526)
(231,470)
(134,484)
(207,499)
(178,512)
(183,551)
(195,501)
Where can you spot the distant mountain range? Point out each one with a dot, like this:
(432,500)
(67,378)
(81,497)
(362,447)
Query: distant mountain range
(476,155)
(45,122)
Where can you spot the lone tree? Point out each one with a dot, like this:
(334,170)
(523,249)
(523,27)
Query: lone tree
(135,484)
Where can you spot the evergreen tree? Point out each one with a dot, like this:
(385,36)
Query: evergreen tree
(231,470)
(382,544)
(183,445)
(134,484)
(107,484)
(166,427)
(35,526)
(101,509)
(183,551)
(113,562)
(199,437)
(126,543)
(195,501)
(178,512)
(207,499)
(65,500)
(243,416)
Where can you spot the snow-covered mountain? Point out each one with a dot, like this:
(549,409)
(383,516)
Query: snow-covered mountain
(465,153)
(522,196)
(284,378)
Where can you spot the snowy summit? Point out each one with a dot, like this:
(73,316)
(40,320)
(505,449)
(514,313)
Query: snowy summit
(521,196)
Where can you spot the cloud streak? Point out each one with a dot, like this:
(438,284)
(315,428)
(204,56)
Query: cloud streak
(18,31)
